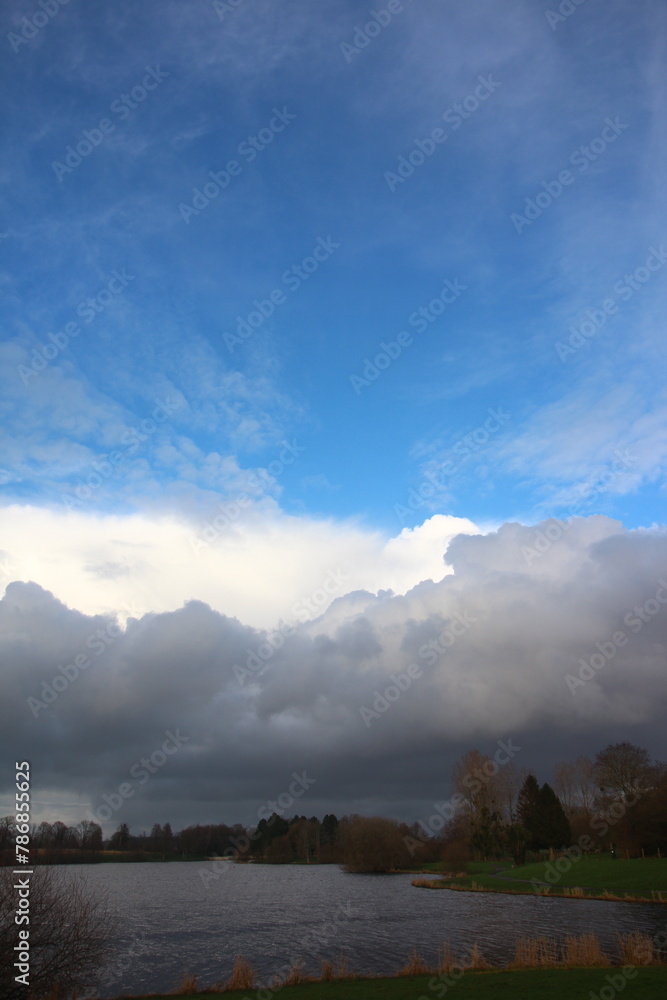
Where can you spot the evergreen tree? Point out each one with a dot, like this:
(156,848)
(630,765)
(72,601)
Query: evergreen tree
(329,829)
(528,809)
(553,825)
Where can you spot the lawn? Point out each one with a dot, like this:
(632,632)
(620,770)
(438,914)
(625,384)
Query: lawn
(636,878)
(614,875)
(547,984)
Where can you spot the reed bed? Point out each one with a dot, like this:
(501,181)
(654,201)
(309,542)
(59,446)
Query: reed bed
(415,966)
(634,949)
(243,975)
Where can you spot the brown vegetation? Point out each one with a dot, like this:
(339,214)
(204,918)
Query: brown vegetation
(634,949)
(70,935)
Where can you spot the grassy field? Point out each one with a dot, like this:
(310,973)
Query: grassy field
(590,877)
(605,873)
(545,984)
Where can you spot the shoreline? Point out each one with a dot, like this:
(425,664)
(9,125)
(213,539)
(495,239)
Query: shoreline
(647,982)
(547,894)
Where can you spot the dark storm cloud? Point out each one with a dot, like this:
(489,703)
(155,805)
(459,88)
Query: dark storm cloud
(374,699)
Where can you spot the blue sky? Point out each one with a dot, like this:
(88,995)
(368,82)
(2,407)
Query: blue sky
(518,97)
(323,176)
(445,225)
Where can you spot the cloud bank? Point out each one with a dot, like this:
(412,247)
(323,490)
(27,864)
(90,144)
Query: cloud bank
(375,697)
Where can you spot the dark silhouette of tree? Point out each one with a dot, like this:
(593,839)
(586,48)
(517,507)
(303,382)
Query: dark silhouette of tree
(528,807)
(553,827)
(120,840)
(90,835)
(373,844)
(488,834)
(329,832)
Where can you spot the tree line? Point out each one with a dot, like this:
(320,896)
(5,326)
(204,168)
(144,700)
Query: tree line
(618,799)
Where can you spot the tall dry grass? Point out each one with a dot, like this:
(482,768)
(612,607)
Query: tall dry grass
(535,953)
(415,966)
(636,949)
(583,951)
(188,984)
(295,975)
(445,960)
(243,975)
(476,959)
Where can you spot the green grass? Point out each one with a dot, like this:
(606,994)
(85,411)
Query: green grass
(545,984)
(485,867)
(617,875)
(638,879)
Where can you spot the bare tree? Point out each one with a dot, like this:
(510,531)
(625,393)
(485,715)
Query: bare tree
(477,779)
(585,783)
(6,832)
(565,785)
(508,783)
(70,935)
(374,844)
(623,770)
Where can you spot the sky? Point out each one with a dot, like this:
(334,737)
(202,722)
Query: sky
(327,329)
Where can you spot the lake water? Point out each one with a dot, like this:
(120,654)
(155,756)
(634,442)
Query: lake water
(173,922)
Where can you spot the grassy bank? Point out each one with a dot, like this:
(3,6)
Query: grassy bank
(643,880)
(548,967)
(547,984)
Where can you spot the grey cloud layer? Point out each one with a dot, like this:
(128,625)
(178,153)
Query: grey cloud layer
(508,627)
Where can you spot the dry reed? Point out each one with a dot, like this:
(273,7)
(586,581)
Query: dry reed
(243,975)
(535,953)
(636,948)
(476,959)
(295,975)
(583,952)
(415,966)
(445,961)
(188,984)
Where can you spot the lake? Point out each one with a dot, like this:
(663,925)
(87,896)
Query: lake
(175,922)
